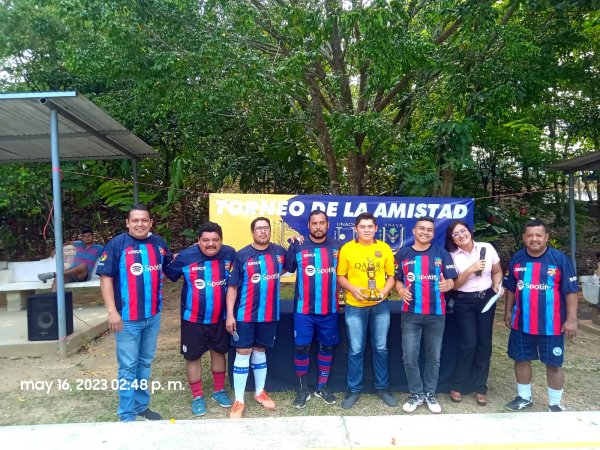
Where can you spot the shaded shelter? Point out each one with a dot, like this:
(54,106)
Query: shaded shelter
(589,161)
(55,126)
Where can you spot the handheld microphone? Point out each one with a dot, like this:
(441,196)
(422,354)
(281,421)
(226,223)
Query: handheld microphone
(481,258)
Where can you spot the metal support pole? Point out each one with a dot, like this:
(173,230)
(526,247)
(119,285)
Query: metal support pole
(136,188)
(58,238)
(572,225)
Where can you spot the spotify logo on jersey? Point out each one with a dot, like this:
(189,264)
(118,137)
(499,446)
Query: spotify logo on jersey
(136,269)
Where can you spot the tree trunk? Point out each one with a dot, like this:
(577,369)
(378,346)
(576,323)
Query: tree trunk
(332,170)
(356,173)
(447,181)
(485,178)
(588,190)
(324,141)
(525,177)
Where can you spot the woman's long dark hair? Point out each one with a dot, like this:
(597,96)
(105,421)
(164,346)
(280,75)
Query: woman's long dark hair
(450,245)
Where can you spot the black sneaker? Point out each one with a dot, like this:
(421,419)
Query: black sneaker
(518,403)
(326,395)
(350,400)
(556,408)
(148,414)
(387,398)
(301,398)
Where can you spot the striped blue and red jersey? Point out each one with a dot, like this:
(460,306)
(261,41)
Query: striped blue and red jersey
(205,283)
(316,280)
(87,255)
(421,271)
(256,273)
(540,285)
(135,265)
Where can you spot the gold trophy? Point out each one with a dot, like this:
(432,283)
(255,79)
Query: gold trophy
(372,294)
(341,297)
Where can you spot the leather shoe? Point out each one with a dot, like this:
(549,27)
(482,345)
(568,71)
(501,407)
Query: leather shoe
(482,399)
(455,396)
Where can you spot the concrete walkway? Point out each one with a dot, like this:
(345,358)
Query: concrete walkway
(88,323)
(568,430)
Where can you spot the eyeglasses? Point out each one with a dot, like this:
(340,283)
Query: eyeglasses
(461,232)
(262,228)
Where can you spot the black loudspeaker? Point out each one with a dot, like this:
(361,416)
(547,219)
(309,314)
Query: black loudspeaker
(42,316)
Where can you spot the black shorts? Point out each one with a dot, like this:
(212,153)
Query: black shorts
(198,338)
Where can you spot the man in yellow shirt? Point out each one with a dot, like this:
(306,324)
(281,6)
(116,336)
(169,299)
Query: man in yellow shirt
(366,270)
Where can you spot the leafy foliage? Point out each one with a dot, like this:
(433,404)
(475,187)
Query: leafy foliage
(387,97)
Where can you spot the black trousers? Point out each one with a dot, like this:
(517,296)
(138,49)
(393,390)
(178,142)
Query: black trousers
(475,333)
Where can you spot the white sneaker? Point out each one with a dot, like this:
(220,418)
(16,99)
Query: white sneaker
(432,403)
(413,402)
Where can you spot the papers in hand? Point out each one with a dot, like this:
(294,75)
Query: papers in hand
(492,300)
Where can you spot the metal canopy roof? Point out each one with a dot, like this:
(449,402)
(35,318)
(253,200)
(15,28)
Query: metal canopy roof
(85,130)
(589,161)
(55,126)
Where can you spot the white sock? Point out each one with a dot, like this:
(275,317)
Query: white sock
(259,368)
(524,391)
(241,367)
(554,396)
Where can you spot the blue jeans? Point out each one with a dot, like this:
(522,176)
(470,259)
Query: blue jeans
(432,328)
(136,346)
(377,319)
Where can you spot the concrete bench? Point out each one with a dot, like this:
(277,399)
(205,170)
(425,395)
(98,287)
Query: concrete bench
(591,291)
(17,293)
(20,281)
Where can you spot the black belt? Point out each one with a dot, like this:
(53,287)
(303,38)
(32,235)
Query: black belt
(471,295)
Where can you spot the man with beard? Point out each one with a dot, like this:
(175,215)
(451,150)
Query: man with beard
(315,304)
(131,284)
(253,311)
(541,307)
(424,272)
(205,269)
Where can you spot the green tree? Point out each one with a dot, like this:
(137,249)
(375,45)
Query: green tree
(384,96)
